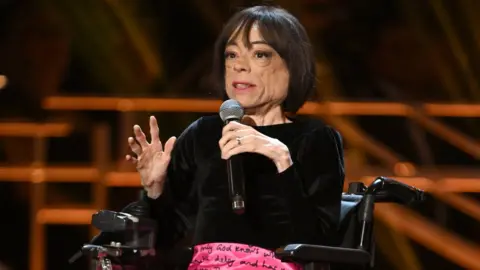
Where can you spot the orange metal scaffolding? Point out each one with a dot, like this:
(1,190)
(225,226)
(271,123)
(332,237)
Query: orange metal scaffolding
(101,175)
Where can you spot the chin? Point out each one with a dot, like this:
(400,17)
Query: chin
(246,102)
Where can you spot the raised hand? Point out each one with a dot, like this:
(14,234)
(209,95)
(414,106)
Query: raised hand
(152,158)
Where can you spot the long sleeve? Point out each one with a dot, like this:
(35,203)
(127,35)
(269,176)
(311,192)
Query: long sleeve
(172,209)
(313,186)
(301,204)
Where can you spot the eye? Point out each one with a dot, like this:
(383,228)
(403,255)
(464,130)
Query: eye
(262,55)
(230,55)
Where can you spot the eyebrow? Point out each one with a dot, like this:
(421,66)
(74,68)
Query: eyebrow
(234,43)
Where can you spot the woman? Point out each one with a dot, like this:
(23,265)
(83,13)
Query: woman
(293,167)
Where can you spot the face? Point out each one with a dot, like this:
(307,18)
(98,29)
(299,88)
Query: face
(255,77)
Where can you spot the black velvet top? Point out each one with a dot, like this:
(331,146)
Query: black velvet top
(299,205)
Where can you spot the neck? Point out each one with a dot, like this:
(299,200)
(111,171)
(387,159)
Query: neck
(273,116)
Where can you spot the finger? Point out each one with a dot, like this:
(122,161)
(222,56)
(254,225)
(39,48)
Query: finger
(134,146)
(225,150)
(247,143)
(131,159)
(235,151)
(169,145)
(234,125)
(225,139)
(154,130)
(233,135)
(242,149)
(140,136)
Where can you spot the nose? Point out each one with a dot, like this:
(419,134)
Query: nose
(241,66)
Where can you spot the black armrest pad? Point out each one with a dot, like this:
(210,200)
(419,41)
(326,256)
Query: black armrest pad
(326,254)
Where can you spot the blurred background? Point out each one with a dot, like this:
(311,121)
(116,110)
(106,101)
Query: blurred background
(398,78)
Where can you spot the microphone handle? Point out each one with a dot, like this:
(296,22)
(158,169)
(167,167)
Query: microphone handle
(236,184)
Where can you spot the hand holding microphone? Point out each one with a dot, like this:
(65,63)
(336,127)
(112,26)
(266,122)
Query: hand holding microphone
(232,112)
(239,138)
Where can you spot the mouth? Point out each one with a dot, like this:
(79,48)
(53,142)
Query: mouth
(242,86)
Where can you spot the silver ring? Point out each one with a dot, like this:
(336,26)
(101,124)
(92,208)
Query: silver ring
(239,141)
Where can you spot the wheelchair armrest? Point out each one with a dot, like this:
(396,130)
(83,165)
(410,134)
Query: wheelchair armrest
(304,253)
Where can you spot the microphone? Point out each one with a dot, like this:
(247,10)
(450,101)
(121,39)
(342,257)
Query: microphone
(231,110)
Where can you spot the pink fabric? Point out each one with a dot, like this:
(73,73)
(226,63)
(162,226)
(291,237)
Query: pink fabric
(219,256)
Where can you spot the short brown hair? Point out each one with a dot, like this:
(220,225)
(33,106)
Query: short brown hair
(285,34)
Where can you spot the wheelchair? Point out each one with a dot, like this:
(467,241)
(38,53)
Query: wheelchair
(354,249)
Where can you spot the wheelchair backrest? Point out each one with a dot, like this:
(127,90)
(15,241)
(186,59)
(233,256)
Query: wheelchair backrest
(349,230)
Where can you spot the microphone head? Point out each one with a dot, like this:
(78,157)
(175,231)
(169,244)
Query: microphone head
(231,110)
